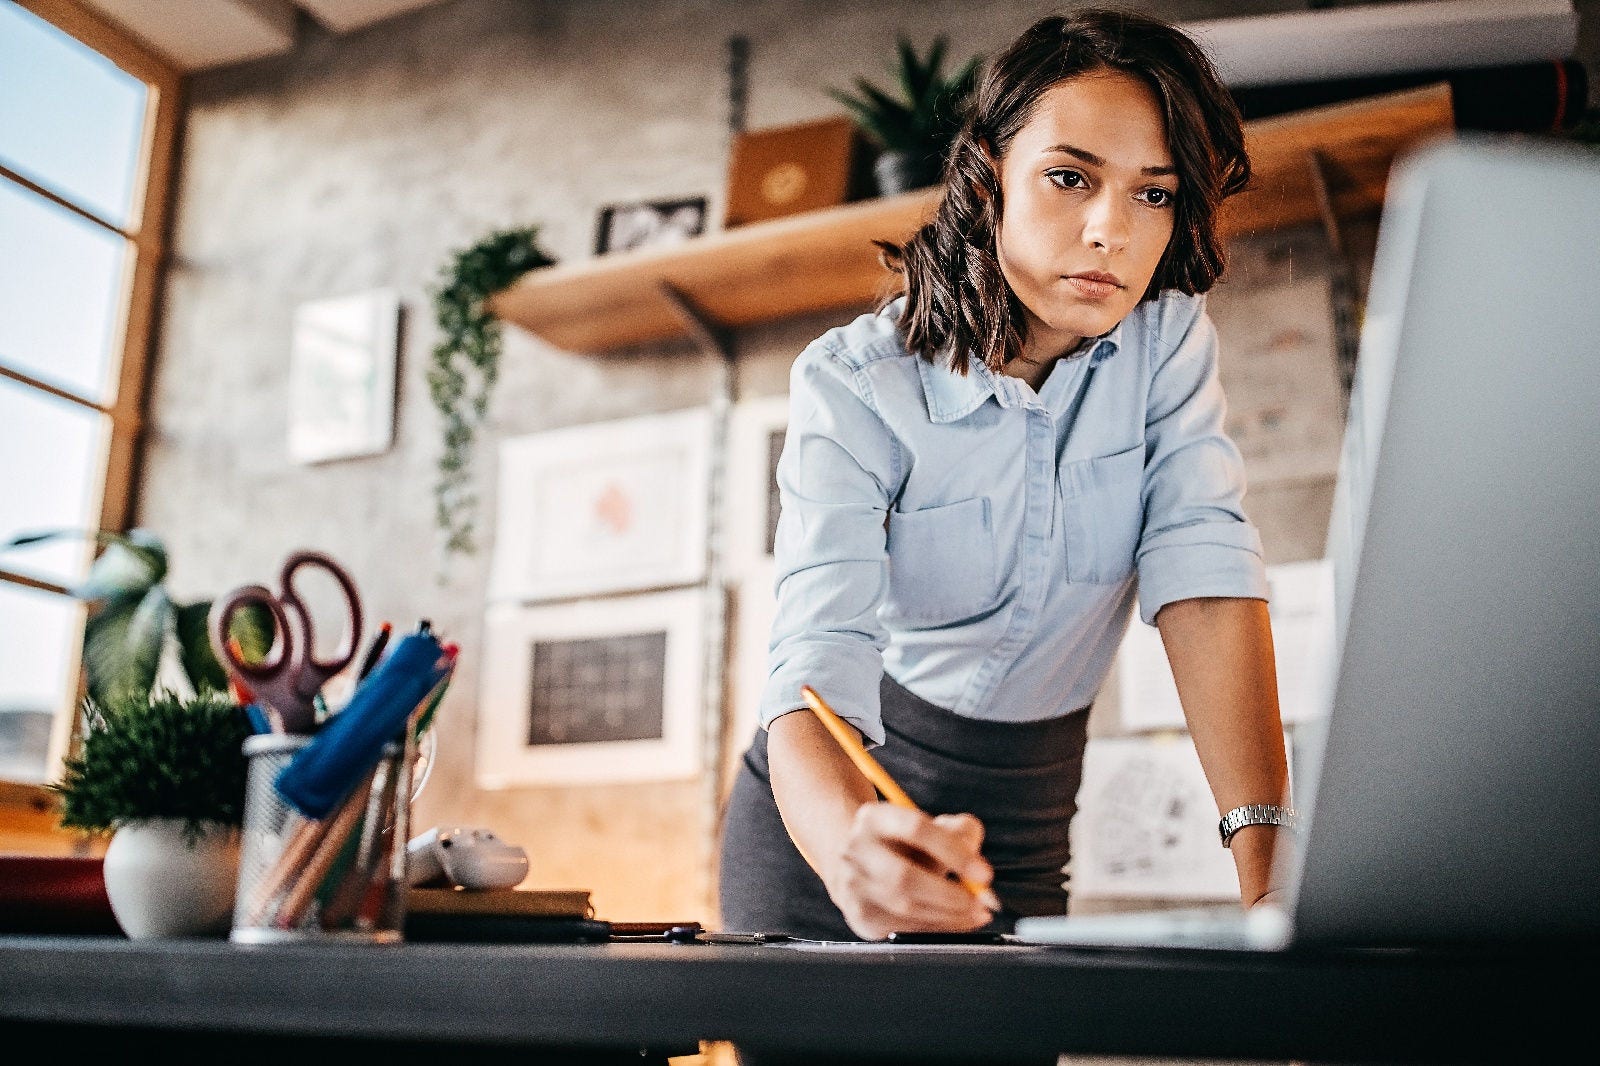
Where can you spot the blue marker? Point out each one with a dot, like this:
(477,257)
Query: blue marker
(351,742)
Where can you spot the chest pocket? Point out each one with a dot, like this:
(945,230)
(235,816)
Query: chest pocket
(941,563)
(1102,509)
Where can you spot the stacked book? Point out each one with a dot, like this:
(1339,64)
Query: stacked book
(503,915)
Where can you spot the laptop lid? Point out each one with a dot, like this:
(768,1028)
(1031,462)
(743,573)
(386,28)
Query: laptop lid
(1454,796)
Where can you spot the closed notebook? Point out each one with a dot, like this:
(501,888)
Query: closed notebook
(502,916)
(501,902)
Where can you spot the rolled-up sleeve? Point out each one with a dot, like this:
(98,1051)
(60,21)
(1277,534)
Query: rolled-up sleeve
(836,477)
(1196,540)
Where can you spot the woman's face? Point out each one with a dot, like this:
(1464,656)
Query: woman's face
(1088,187)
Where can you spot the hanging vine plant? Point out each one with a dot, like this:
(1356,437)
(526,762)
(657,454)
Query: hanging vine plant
(466,364)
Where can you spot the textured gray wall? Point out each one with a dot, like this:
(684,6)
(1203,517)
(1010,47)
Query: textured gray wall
(366,160)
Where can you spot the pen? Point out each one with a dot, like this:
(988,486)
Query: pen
(879,777)
(378,643)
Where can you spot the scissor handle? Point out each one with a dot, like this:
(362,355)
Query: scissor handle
(316,671)
(278,657)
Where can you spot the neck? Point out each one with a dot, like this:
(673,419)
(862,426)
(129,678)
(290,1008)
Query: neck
(1039,354)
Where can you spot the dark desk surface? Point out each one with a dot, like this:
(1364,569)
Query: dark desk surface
(923,1004)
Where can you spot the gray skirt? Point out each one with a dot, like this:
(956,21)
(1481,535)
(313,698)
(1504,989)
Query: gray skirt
(1019,778)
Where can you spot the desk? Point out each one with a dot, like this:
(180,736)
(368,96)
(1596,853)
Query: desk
(927,1005)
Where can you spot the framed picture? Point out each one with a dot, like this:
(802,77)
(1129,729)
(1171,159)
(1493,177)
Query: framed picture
(341,376)
(592,692)
(604,507)
(651,224)
(756,430)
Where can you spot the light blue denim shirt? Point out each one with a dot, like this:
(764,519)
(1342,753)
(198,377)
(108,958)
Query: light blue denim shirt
(982,543)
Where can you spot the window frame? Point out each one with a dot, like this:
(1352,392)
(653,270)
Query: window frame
(27,818)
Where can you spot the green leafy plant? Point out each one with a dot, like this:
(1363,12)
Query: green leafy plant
(164,757)
(921,116)
(466,363)
(133,621)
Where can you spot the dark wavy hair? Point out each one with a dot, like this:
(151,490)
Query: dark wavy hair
(957,297)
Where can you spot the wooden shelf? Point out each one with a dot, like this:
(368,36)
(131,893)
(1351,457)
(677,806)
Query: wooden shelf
(825,260)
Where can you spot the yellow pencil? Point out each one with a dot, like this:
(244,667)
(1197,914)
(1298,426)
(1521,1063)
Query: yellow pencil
(874,772)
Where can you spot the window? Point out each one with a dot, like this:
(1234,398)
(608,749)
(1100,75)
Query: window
(87,118)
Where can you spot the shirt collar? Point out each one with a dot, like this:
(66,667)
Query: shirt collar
(952,396)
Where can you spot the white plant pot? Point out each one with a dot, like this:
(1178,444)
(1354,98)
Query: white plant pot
(160,885)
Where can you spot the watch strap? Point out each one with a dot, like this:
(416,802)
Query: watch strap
(1256,814)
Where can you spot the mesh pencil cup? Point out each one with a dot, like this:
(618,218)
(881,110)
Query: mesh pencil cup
(338,878)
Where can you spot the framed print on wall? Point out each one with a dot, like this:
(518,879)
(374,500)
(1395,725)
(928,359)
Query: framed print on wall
(756,430)
(604,507)
(592,692)
(342,376)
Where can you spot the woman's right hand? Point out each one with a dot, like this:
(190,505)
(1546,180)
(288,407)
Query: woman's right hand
(902,870)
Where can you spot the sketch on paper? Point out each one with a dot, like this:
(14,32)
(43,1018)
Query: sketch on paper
(342,376)
(1146,826)
(756,432)
(604,507)
(1279,364)
(592,691)
(1301,610)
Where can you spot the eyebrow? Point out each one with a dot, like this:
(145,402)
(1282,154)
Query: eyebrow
(1091,158)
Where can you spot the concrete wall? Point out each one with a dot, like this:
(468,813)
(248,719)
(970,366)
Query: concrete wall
(366,160)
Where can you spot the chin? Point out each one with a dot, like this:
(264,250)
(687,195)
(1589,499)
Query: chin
(1086,321)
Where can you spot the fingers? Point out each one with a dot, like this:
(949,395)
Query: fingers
(902,870)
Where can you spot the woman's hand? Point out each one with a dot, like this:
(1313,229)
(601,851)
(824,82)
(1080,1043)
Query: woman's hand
(901,870)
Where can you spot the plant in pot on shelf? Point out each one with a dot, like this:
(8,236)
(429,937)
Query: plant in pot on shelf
(914,124)
(465,366)
(165,776)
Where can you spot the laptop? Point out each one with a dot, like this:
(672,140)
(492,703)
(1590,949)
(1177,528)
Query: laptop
(1451,794)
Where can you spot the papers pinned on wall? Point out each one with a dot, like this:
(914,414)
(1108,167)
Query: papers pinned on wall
(1302,613)
(1146,826)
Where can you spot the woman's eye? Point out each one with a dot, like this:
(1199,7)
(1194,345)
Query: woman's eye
(1158,197)
(1067,179)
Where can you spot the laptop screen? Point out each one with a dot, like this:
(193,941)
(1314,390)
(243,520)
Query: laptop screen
(1454,796)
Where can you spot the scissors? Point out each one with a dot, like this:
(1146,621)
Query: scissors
(288,680)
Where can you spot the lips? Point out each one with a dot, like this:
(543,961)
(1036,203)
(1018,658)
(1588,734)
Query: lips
(1094,284)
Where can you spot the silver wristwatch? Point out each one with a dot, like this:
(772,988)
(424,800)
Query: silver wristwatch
(1255,814)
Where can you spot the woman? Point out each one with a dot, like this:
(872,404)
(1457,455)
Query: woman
(978,483)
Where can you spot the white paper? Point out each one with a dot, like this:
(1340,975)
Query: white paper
(1300,606)
(1146,826)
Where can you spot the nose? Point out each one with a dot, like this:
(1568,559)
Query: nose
(1107,223)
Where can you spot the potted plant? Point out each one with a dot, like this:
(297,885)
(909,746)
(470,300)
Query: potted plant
(466,363)
(165,776)
(915,125)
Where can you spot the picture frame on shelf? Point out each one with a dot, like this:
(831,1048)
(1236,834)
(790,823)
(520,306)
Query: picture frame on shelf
(624,227)
(756,432)
(592,692)
(603,507)
(342,376)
